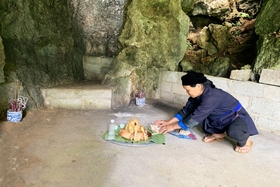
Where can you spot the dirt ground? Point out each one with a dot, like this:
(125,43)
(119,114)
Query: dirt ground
(65,148)
(45,136)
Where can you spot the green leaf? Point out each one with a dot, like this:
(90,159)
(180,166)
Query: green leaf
(157,138)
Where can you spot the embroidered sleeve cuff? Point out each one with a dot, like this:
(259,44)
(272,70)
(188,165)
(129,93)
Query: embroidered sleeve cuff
(179,117)
(181,124)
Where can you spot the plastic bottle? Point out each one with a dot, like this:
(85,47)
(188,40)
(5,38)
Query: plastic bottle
(111,133)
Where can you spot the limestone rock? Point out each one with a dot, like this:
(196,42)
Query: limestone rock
(268,56)
(42,46)
(224,29)
(268,20)
(242,75)
(153,37)
(220,67)
(205,41)
(100,22)
(217,8)
(95,68)
(267,26)
(2,61)
(214,38)
(271,77)
(252,7)
(220,35)
(186,65)
(192,58)
(187,5)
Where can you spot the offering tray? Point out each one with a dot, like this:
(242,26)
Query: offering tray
(153,139)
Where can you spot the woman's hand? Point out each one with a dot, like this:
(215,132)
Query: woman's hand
(161,122)
(167,128)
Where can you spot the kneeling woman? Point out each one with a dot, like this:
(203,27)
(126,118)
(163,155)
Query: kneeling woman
(216,111)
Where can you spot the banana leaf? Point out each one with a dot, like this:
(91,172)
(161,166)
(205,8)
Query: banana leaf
(153,138)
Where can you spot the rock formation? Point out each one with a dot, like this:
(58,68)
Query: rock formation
(45,42)
(153,38)
(268,29)
(2,61)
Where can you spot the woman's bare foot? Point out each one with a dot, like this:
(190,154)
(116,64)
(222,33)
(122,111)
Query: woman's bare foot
(214,138)
(246,148)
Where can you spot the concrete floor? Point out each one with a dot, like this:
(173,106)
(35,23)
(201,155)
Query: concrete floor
(66,149)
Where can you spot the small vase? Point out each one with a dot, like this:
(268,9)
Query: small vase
(14,116)
(140,101)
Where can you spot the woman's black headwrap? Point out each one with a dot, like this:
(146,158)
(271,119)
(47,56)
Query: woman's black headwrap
(193,78)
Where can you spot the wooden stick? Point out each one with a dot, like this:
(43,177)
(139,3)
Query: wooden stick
(16,95)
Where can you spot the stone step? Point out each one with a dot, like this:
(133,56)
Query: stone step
(86,95)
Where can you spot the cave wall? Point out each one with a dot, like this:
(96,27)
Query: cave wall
(45,42)
(268,30)
(100,22)
(43,47)
(2,61)
(221,37)
(153,38)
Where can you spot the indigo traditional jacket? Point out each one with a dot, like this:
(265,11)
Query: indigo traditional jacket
(214,109)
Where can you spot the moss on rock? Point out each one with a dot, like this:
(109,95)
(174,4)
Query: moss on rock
(153,37)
